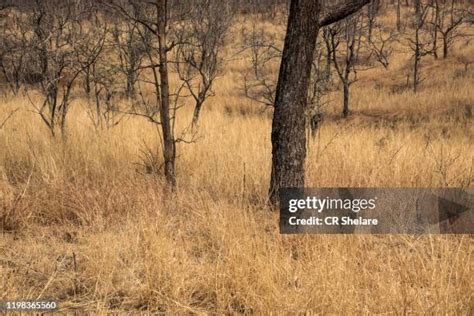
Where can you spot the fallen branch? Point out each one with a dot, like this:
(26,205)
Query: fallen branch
(2,124)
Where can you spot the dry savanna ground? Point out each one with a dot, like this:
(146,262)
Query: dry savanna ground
(83,222)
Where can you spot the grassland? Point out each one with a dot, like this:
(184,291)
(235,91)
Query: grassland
(82,221)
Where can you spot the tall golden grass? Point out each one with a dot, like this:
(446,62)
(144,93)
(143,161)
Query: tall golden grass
(82,222)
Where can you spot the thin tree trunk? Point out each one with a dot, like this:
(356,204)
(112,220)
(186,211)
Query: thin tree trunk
(97,98)
(416,66)
(345,109)
(288,128)
(399,17)
(435,31)
(445,46)
(327,42)
(371,14)
(197,112)
(169,144)
(131,79)
(87,81)
(416,71)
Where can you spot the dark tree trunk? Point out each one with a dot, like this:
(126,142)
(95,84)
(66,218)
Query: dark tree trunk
(418,26)
(197,112)
(445,46)
(289,119)
(169,152)
(288,128)
(327,42)
(345,109)
(435,30)
(131,80)
(372,11)
(416,67)
(399,17)
(87,81)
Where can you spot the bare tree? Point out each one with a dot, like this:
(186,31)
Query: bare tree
(448,22)
(198,58)
(345,39)
(435,21)
(320,84)
(130,44)
(101,77)
(57,35)
(288,127)
(373,9)
(399,16)
(14,52)
(259,81)
(94,28)
(382,48)
(419,43)
(160,18)
(102,109)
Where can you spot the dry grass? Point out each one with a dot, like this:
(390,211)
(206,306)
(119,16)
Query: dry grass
(82,223)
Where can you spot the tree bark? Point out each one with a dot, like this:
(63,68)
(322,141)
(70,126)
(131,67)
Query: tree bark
(416,66)
(87,81)
(197,112)
(435,31)
(419,19)
(445,46)
(345,109)
(327,42)
(289,121)
(399,17)
(169,152)
(131,79)
(288,128)
(335,10)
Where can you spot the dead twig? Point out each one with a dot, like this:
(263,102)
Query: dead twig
(2,124)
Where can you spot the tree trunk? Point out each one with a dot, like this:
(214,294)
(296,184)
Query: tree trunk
(327,42)
(435,45)
(445,46)
(399,17)
(416,66)
(345,108)
(416,69)
(169,152)
(435,31)
(197,112)
(288,128)
(130,92)
(372,11)
(87,81)
(416,73)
